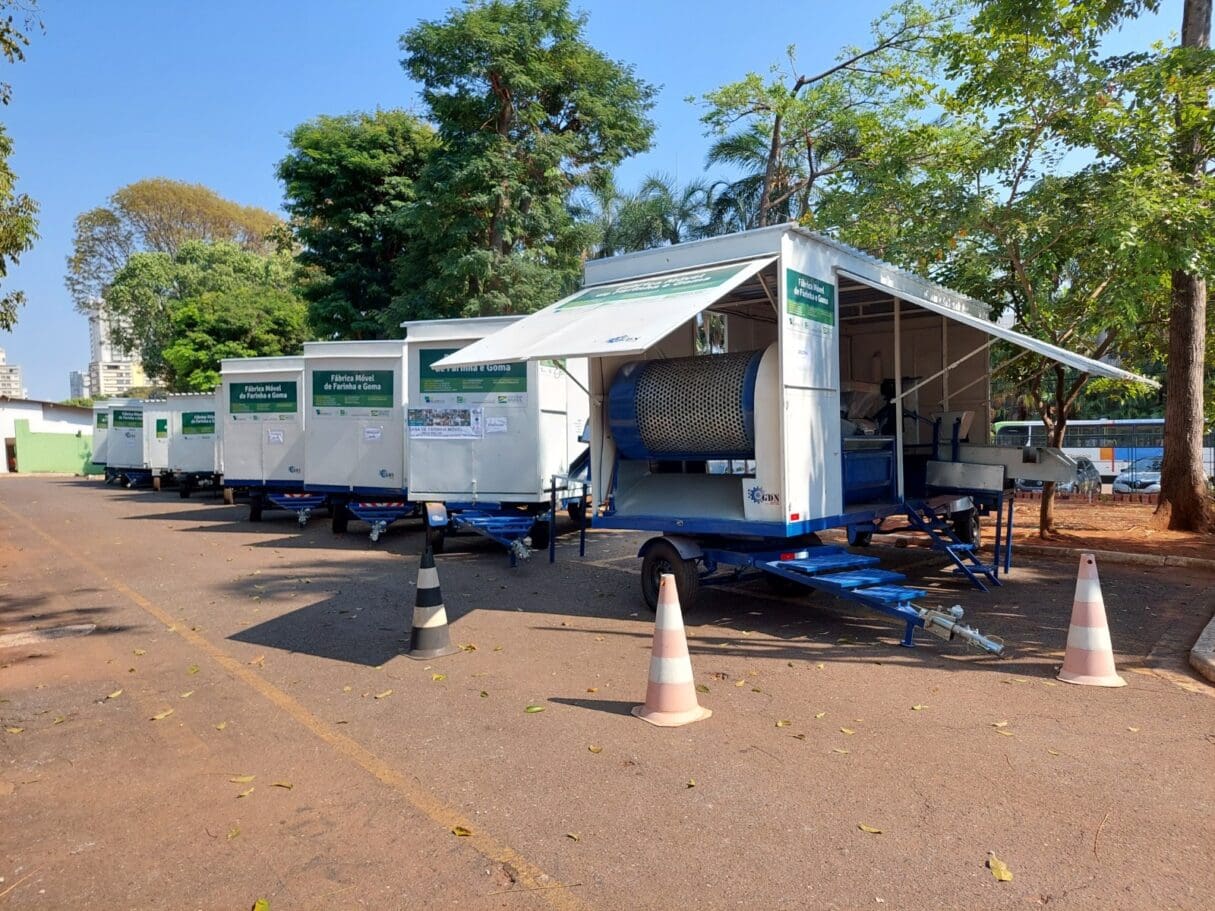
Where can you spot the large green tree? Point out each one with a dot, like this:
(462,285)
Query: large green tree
(347,181)
(18,212)
(528,113)
(147,298)
(156,216)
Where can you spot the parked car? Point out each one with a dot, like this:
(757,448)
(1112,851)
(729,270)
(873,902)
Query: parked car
(1086,482)
(1141,476)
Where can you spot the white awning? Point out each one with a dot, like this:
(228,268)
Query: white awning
(622,318)
(1046,349)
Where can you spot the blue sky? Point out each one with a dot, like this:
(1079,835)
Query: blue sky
(205,91)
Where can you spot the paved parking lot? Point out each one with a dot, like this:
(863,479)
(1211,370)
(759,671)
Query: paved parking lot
(306,760)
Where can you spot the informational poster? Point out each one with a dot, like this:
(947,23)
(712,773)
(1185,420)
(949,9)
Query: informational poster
(198,423)
(275,437)
(811,301)
(162,428)
(500,384)
(267,399)
(662,286)
(810,348)
(446,424)
(496,425)
(128,419)
(353,393)
(373,434)
(103,420)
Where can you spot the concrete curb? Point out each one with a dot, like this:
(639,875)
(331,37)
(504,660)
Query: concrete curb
(1202,655)
(1117,557)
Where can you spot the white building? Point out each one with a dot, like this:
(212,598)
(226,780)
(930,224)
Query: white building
(10,378)
(111,371)
(78,385)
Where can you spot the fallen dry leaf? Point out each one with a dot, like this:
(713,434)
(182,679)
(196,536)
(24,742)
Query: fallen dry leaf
(798,736)
(998,868)
(244,793)
(241,779)
(14,729)
(140,651)
(383,695)
(533,709)
(595,748)
(740,682)
(261,905)
(918,708)
(838,750)
(1053,752)
(461,832)
(59,719)
(1133,730)
(221,725)
(437,677)
(592,689)
(691,783)
(114,695)
(192,669)
(783,723)
(187,694)
(820,714)
(484,694)
(259,661)
(232,833)
(1005,733)
(847,731)
(701,688)
(468,647)
(573,836)
(999,724)
(162,715)
(286,785)
(870,829)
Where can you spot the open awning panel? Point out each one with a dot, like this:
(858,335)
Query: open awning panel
(622,318)
(1046,349)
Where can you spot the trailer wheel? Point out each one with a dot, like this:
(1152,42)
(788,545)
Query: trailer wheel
(255,508)
(183,488)
(576,511)
(341,518)
(664,558)
(436,537)
(858,538)
(968,529)
(540,534)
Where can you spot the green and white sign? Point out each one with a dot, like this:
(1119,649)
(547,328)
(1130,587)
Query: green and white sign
(162,428)
(103,420)
(487,379)
(809,298)
(352,391)
(130,419)
(266,397)
(197,423)
(661,286)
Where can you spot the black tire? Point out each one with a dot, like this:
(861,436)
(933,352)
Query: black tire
(859,538)
(126,482)
(577,511)
(255,508)
(183,488)
(968,529)
(661,558)
(436,537)
(340,518)
(540,534)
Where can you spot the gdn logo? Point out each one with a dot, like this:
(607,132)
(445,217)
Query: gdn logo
(757,494)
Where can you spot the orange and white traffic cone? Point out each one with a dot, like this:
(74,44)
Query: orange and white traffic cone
(1089,658)
(670,694)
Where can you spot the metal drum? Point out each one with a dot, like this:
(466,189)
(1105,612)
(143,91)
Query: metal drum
(686,408)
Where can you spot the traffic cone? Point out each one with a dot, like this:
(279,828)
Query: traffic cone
(670,694)
(1089,659)
(429,637)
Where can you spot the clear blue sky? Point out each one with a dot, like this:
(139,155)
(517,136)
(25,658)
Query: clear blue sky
(205,91)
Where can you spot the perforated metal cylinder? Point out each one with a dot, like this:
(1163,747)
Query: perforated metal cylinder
(686,408)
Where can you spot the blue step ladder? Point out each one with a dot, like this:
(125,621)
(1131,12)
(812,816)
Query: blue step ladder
(854,577)
(941,532)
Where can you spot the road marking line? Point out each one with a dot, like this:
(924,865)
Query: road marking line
(529,876)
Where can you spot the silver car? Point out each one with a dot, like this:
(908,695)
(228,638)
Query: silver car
(1086,483)
(1141,476)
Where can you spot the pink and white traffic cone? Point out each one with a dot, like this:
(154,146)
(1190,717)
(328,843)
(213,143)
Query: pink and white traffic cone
(670,694)
(1089,659)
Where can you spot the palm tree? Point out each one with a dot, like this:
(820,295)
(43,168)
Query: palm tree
(679,212)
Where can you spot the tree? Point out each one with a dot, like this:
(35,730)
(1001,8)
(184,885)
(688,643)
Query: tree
(242,322)
(156,216)
(18,212)
(681,212)
(1184,495)
(528,113)
(145,295)
(347,181)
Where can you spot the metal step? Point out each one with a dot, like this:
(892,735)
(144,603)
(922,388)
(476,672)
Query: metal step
(859,578)
(891,594)
(819,563)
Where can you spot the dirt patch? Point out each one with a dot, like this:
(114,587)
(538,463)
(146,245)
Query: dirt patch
(1109,525)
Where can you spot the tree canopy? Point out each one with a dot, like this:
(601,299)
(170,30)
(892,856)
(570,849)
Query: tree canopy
(18,212)
(156,215)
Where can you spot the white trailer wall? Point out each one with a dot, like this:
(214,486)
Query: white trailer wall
(156,436)
(355,439)
(124,443)
(263,424)
(193,441)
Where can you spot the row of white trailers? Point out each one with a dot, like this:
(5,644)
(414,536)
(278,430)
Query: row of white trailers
(745,394)
(369,430)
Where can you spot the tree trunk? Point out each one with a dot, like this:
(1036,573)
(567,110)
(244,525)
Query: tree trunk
(1183,484)
(765,199)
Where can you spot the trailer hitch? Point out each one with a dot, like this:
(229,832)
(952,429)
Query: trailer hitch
(947,624)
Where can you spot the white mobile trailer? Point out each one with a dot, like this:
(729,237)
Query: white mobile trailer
(156,439)
(492,436)
(263,431)
(193,450)
(101,431)
(354,444)
(841,386)
(125,457)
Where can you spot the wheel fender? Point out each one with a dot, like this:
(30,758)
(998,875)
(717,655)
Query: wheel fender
(436,515)
(685,547)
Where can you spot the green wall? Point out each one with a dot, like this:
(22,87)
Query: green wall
(66,453)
